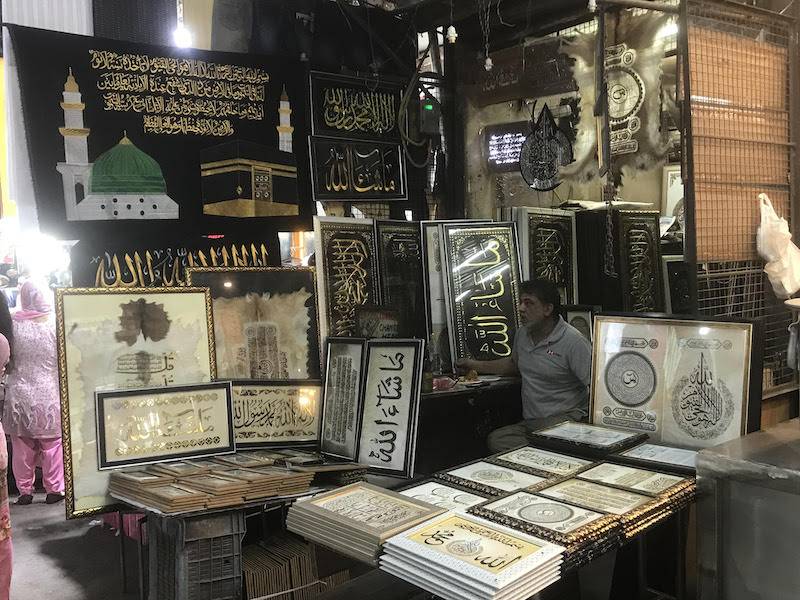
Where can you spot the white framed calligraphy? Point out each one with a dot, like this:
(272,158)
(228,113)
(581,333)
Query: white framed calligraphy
(684,382)
(390,406)
(277,413)
(342,408)
(137,427)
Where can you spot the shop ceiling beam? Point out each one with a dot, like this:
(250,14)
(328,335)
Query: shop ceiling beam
(645,4)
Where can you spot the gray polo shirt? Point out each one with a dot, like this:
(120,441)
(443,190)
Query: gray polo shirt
(556,372)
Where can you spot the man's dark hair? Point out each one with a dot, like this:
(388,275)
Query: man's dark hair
(545,290)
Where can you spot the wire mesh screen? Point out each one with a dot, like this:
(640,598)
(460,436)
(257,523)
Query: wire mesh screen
(739,75)
(741,289)
(739,83)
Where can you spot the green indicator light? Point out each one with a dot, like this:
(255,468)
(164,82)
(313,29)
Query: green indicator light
(429,107)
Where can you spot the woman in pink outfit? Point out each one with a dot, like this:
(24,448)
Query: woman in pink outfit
(5,518)
(32,412)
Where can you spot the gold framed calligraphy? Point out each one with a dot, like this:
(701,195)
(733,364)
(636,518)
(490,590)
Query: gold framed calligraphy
(347,272)
(390,406)
(157,424)
(354,107)
(482,281)
(356,170)
(265,321)
(282,413)
(685,382)
(342,408)
(122,339)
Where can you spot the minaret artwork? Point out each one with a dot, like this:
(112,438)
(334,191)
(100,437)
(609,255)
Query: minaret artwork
(285,128)
(123,183)
(75,168)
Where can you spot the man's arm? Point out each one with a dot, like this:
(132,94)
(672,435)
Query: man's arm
(503,366)
(580,361)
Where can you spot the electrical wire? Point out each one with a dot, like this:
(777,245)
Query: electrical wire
(402,116)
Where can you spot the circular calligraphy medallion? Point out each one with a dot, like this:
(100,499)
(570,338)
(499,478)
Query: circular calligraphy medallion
(492,475)
(630,378)
(625,93)
(546,512)
(464,547)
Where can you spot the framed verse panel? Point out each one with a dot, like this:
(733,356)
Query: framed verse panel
(115,340)
(548,250)
(491,479)
(678,460)
(390,406)
(342,403)
(355,107)
(265,321)
(595,440)
(356,170)
(158,424)
(279,413)
(347,272)
(442,495)
(482,289)
(687,383)
(640,261)
(400,260)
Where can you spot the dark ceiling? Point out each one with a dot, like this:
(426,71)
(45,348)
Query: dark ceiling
(510,20)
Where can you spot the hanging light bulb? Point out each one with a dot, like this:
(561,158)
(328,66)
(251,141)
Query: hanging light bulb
(452,34)
(488,64)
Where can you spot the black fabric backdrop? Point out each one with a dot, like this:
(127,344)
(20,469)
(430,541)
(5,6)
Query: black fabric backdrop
(44,59)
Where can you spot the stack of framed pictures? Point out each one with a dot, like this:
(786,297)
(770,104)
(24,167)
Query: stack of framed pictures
(115,339)
(489,479)
(688,383)
(548,248)
(482,276)
(638,497)
(585,439)
(357,519)
(371,406)
(585,534)
(463,557)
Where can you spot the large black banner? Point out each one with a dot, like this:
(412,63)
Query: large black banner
(168,140)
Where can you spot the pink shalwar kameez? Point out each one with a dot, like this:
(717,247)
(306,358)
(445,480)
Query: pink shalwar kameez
(32,415)
(5,516)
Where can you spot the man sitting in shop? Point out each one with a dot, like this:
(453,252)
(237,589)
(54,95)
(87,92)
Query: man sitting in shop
(554,361)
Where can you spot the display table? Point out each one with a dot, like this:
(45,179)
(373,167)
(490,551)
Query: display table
(749,492)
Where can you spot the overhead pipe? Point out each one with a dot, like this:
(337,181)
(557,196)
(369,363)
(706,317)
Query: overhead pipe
(659,6)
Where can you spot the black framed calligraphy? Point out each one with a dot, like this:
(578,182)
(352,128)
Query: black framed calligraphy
(347,270)
(390,406)
(341,407)
(482,280)
(355,107)
(640,260)
(278,413)
(154,425)
(356,170)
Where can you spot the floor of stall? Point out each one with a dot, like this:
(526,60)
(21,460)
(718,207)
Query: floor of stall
(68,560)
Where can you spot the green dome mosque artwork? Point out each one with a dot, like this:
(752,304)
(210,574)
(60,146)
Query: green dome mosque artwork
(123,183)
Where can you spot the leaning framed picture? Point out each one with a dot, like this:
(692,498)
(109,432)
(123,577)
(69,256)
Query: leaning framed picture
(265,321)
(481,266)
(581,317)
(279,413)
(671,191)
(690,383)
(347,272)
(151,425)
(116,339)
(341,413)
(390,406)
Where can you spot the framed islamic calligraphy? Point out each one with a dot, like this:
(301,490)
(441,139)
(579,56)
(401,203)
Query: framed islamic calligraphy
(390,406)
(640,261)
(158,424)
(115,340)
(548,248)
(685,382)
(355,107)
(356,170)
(482,289)
(347,272)
(265,321)
(342,400)
(581,317)
(435,292)
(279,413)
